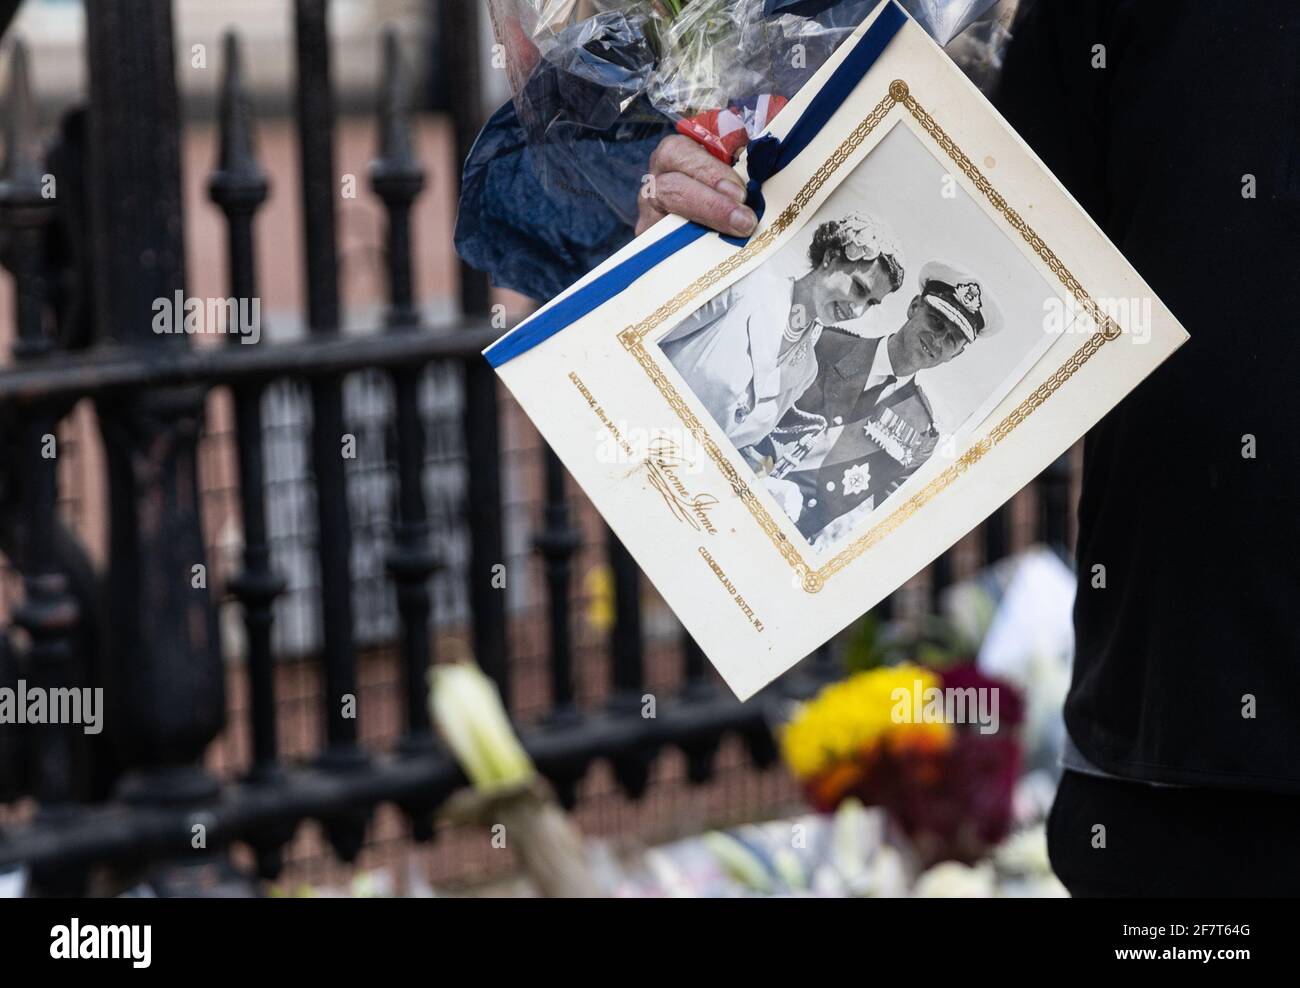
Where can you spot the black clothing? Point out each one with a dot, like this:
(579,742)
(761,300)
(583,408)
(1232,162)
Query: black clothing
(1172,842)
(1199,619)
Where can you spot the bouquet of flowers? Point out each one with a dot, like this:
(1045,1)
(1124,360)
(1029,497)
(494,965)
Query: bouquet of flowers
(920,744)
(592,76)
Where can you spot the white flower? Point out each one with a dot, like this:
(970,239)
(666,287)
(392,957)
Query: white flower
(468,711)
(866,236)
(856,479)
(953,880)
(1024,853)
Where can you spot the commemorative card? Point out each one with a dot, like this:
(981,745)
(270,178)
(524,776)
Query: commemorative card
(784,430)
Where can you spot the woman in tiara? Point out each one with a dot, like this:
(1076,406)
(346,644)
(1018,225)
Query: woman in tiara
(747,354)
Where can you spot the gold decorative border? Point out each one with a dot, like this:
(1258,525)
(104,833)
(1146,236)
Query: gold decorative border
(633,339)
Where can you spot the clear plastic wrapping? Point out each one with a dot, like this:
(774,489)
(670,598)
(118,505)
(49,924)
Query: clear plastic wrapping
(596,82)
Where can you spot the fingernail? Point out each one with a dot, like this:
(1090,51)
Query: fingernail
(743,221)
(733,190)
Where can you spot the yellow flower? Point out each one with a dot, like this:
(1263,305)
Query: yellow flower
(599,585)
(846,720)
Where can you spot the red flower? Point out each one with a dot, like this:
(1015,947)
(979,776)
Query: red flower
(953,802)
(1011,708)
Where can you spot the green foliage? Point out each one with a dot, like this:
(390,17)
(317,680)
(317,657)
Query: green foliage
(930,641)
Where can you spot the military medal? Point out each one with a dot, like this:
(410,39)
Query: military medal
(894,435)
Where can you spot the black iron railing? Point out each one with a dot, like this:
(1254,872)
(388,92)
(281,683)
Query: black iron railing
(142,630)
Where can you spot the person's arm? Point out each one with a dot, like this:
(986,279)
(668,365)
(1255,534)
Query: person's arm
(532,237)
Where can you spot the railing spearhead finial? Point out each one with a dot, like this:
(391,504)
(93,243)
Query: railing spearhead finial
(238,180)
(22,173)
(396,174)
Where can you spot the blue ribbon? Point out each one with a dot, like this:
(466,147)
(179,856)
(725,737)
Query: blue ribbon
(767,155)
(764,158)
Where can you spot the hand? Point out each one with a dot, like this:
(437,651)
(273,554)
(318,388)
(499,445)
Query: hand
(686,180)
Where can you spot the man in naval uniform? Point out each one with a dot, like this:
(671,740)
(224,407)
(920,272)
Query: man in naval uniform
(864,425)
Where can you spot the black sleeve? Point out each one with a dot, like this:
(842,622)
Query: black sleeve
(1054,97)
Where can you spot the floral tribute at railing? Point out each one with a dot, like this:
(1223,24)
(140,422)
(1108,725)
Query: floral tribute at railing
(926,773)
(893,737)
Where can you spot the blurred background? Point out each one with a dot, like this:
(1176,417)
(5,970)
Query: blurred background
(238,729)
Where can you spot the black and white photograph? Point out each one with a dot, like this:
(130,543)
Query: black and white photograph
(886,330)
